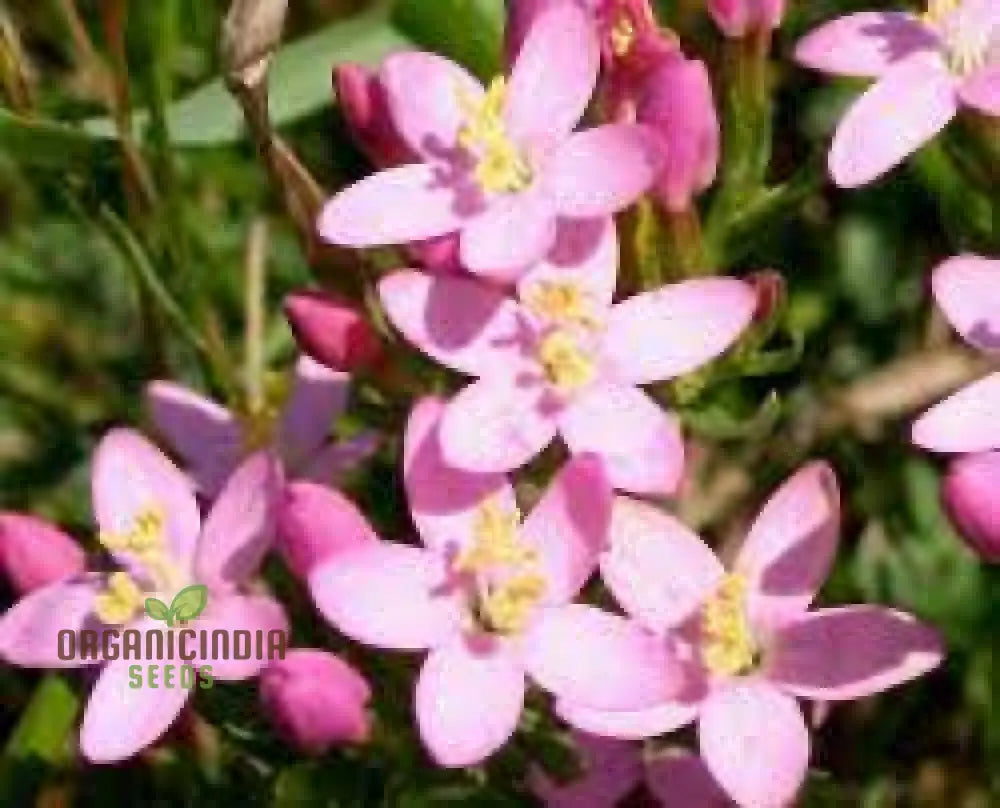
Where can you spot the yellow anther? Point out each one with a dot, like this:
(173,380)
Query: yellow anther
(562,303)
(500,167)
(507,607)
(622,35)
(495,541)
(566,365)
(728,646)
(144,537)
(121,599)
(937,10)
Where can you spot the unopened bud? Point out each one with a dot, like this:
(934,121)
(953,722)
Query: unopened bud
(366,110)
(34,554)
(251,32)
(970,497)
(332,331)
(737,18)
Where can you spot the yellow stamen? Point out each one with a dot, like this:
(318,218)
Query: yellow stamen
(121,599)
(507,607)
(500,167)
(496,542)
(622,35)
(561,302)
(937,10)
(728,646)
(566,365)
(143,537)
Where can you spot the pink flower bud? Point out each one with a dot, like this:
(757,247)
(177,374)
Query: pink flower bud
(969,494)
(314,523)
(332,332)
(736,18)
(677,104)
(34,554)
(366,110)
(316,700)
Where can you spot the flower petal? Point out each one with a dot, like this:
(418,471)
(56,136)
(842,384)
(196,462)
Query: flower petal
(569,526)
(468,702)
(683,781)
(967,421)
(595,659)
(640,444)
(239,529)
(425,93)
(905,109)
(982,91)
(444,501)
(611,771)
(577,175)
(29,630)
(205,435)
(851,652)
(387,595)
(671,331)
(239,613)
(487,248)
(121,720)
(336,460)
(790,548)
(553,76)
(865,44)
(755,743)
(967,288)
(407,203)
(318,396)
(495,425)
(130,475)
(465,324)
(629,725)
(658,570)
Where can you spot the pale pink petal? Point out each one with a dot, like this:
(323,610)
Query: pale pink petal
(130,475)
(755,743)
(444,501)
(671,331)
(967,288)
(982,91)
(553,76)
(791,545)
(905,109)
(968,421)
(468,701)
(638,441)
(467,325)
(580,178)
(659,571)
(682,780)
(408,203)
(239,530)
(425,93)
(488,246)
(611,771)
(29,630)
(336,460)
(239,613)
(318,397)
(496,425)
(585,255)
(388,595)
(569,526)
(864,44)
(589,657)
(205,435)
(634,725)
(851,652)
(121,720)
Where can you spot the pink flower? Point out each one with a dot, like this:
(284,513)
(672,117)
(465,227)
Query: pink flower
(34,554)
(928,67)
(969,494)
(316,700)
(332,331)
(497,161)
(565,359)
(150,524)
(488,596)
(611,771)
(366,110)
(967,288)
(751,644)
(211,439)
(681,780)
(737,18)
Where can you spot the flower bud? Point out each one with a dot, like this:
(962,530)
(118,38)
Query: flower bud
(677,104)
(251,32)
(34,554)
(737,18)
(970,497)
(366,109)
(332,332)
(315,522)
(315,700)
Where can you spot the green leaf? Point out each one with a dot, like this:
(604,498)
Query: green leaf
(468,31)
(47,144)
(157,609)
(189,602)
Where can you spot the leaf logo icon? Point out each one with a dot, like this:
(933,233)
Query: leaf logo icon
(186,605)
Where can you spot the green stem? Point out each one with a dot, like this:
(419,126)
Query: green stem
(684,245)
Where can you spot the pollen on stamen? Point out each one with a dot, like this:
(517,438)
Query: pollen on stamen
(562,303)
(119,601)
(500,167)
(622,35)
(728,647)
(567,367)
